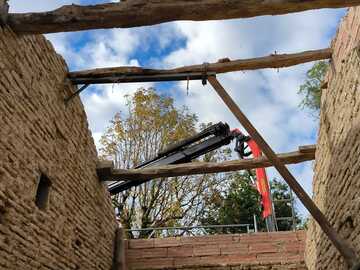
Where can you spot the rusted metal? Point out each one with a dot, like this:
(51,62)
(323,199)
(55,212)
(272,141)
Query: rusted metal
(342,246)
(78,92)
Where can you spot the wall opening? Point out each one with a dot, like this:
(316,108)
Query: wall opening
(42,193)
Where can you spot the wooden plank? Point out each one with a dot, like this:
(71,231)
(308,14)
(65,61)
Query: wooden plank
(194,168)
(135,13)
(342,246)
(307,148)
(4,11)
(222,66)
(104,168)
(119,257)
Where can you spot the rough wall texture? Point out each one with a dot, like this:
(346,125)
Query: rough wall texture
(73,227)
(337,169)
(283,250)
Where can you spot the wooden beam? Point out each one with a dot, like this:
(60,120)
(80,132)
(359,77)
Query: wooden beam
(222,66)
(104,168)
(194,168)
(340,243)
(133,13)
(4,11)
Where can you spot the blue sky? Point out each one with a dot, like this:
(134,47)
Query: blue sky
(269,97)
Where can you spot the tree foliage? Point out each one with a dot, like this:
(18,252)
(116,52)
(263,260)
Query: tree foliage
(236,205)
(282,202)
(241,201)
(150,123)
(311,89)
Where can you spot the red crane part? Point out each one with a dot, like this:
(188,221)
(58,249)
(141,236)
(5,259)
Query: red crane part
(262,182)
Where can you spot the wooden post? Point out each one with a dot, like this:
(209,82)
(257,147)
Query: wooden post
(119,259)
(342,246)
(4,11)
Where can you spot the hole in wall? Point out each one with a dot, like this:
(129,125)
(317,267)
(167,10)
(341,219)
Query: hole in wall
(42,193)
(78,243)
(349,222)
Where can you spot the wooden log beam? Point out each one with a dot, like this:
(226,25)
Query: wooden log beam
(193,168)
(133,13)
(339,242)
(222,66)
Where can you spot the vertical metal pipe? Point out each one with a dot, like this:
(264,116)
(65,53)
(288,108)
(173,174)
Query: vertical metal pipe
(342,246)
(255,224)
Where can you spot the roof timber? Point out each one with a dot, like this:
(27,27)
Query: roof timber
(107,173)
(103,75)
(133,13)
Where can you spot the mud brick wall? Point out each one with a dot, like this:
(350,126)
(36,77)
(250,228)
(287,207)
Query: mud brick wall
(283,250)
(66,221)
(336,183)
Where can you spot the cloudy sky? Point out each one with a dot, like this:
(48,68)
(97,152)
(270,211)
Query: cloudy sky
(269,97)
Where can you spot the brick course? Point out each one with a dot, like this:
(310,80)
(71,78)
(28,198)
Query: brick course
(337,167)
(282,250)
(40,135)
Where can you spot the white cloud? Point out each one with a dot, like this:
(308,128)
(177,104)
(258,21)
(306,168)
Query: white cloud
(21,6)
(268,97)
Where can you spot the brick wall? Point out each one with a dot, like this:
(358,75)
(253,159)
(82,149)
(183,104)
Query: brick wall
(283,250)
(72,225)
(337,167)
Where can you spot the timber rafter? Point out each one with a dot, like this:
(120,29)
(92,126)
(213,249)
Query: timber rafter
(133,13)
(107,173)
(119,74)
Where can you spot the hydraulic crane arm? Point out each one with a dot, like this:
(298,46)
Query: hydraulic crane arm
(187,150)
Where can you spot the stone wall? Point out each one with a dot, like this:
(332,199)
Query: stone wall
(54,213)
(281,251)
(337,169)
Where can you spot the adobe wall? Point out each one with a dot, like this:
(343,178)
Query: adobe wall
(281,251)
(337,168)
(72,228)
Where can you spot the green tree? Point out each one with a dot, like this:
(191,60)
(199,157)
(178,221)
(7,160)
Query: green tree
(241,201)
(311,89)
(236,205)
(151,123)
(282,203)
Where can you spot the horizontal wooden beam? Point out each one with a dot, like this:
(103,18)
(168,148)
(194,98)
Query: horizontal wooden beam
(304,153)
(133,13)
(103,75)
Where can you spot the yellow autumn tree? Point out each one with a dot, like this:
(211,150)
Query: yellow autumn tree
(150,123)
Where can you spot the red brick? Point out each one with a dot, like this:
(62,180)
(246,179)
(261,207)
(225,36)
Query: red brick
(285,236)
(275,257)
(182,251)
(159,263)
(167,242)
(208,239)
(146,253)
(187,261)
(214,260)
(263,248)
(241,259)
(236,248)
(206,250)
(255,238)
(141,243)
(293,247)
